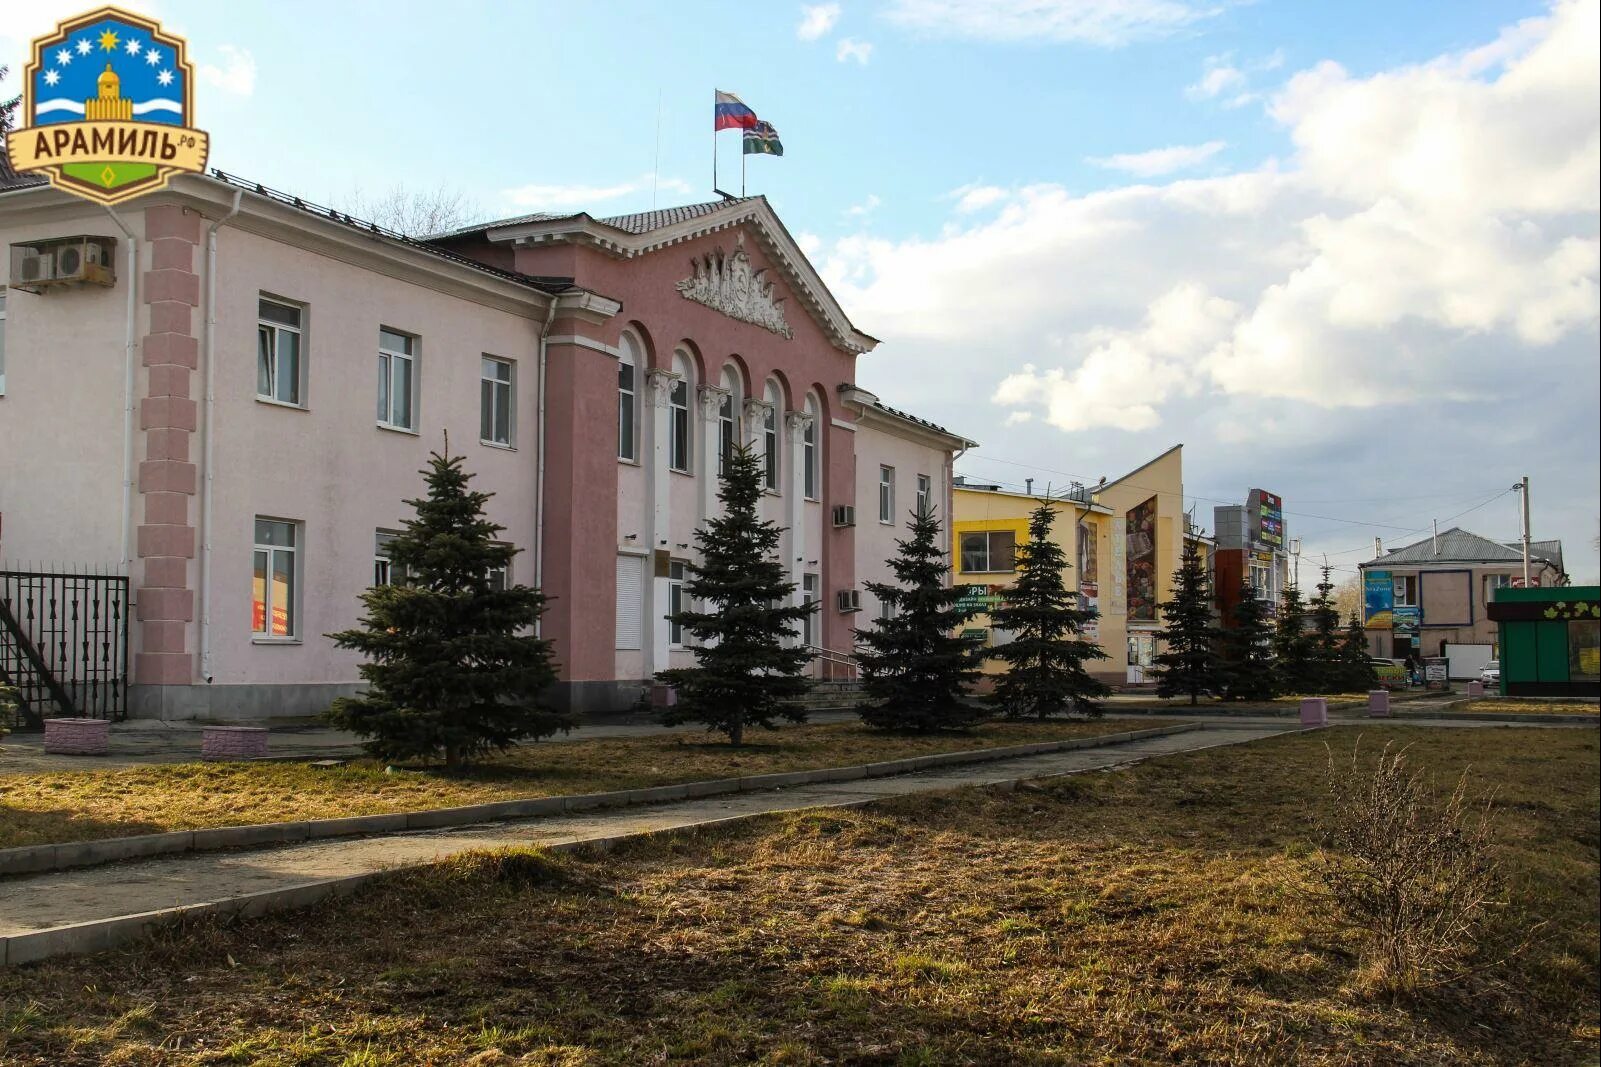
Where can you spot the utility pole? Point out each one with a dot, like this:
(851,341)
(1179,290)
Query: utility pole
(1295,551)
(1523,487)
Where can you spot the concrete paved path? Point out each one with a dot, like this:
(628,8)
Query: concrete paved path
(132,891)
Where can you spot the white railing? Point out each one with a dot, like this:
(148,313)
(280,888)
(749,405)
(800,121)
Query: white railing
(830,666)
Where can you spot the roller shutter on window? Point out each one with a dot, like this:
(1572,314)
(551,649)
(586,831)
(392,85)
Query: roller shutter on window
(630,601)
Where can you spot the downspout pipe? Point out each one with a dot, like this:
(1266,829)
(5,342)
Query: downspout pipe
(130,343)
(208,421)
(539,462)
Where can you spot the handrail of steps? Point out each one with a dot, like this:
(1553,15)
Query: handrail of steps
(833,666)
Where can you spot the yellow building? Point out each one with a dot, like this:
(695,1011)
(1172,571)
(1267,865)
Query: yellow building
(1124,539)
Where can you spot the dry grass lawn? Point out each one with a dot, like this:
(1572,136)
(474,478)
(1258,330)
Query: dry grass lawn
(1160,914)
(1492,706)
(81,805)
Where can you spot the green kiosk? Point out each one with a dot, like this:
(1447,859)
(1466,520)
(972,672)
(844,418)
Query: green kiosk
(1550,641)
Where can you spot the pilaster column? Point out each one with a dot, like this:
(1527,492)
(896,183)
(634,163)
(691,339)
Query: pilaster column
(755,421)
(711,404)
(795,425)
(658,499)
(168,415)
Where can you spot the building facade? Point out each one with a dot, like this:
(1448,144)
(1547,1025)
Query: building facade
(1124,538)
(1252,545)
(1430,598)
(236,421)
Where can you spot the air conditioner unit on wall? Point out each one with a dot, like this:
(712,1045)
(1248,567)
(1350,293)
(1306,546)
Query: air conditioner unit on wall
(849,600)
(63,261)
(844,515)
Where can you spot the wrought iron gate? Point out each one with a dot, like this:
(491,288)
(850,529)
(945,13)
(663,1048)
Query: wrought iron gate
(64,644)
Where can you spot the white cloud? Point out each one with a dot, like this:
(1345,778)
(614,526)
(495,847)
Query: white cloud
(1159,161)
(1230,83)
(851,48)
(865,208)
(816,20)
(578,197)
(236,74)
(977,197)
(1107,23)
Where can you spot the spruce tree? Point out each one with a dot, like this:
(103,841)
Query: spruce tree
(1045,660)
(1324,646)
(1249,672)
(1292,646)
(453,667)
(916,667)
(746,671)
(1355,665)
(1189,664)
(8,110)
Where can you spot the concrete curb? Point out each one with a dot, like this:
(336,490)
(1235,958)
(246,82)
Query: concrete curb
(37,859)
(101,934)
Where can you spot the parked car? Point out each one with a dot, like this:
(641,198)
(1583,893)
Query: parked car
(1490,674)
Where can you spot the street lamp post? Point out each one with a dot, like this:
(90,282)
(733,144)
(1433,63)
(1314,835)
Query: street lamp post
(1295,553)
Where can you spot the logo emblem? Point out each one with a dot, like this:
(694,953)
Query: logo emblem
(109,108)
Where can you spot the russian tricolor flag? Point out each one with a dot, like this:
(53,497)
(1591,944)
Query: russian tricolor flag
(732,114)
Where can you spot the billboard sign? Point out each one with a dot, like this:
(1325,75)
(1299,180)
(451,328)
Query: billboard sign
(1405,619)
(1140,541)
(1378,600)
(1265,516)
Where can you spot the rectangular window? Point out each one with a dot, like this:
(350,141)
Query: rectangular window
(770,446)
(810,586)
(1492,582)
(1260,584)
(727,431)
(1584,651)
(1406,590)
(630,601)
(679,428)
(627,409)
(276,579)
(886,494)
(494,401)
(397,380)
(278,351)
(677,574)
(925,494)
(989,551)
(2,342)
(384,570)
(809,457)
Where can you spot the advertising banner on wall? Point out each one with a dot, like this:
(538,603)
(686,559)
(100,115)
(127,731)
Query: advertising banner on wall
(1140,538)
(1405,620)
(1265,513)
(1378,600)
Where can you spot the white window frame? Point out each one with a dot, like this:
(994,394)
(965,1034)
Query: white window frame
(677,577)
(770,460)
(1401,596)
(2,340)
(811,593)
(809,456)
(276,330)
(627,408)
(1264,588)
(384,571)
(489,391)
(727,433)
(989,552)
(264,559)
(680,427)
(886,495)
(925,494)
(389,360)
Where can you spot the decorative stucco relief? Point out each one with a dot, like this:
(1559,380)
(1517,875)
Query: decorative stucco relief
(727,284)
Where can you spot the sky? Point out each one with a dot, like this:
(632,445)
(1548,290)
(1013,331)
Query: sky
(1347,253)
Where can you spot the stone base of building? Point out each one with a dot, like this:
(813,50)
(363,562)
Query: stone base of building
(235,702)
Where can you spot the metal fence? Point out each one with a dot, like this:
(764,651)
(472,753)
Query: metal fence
(74,627)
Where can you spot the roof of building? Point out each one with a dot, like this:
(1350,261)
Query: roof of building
(639,222)
(1457,545)
(21,181)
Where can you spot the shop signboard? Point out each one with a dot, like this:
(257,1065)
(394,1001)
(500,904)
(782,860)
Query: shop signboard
(1378,600)
(981,599)
(1265,513)
(1405,619)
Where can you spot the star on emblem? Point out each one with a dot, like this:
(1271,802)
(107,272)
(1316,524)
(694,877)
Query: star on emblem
(83,46)
(108,41)
(152,56)
(64,57)
(164,78)
(133,47)
(52,76)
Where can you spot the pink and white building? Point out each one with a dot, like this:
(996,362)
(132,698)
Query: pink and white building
(233,408)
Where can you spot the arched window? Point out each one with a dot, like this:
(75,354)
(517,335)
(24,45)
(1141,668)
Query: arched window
(629,360)
(678,428)
(809,454)
(775,404)
(728,422)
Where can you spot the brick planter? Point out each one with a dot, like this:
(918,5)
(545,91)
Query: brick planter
(1475,689)
(77,737)
(1378,703)
(1314,711)
(233,742)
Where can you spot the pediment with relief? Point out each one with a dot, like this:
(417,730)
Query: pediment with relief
(728,284)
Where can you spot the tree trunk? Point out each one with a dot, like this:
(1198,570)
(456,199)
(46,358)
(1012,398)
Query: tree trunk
(452,758)
(736,733)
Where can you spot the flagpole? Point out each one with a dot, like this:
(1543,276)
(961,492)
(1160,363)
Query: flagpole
(714,142)
(742,165)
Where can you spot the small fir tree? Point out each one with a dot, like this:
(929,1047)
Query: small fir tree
(1292,646)
(8,108)
(1324,640)
(744,673)
(1249,672)
(1353,661)
(916,667)
(453,667)
(1188,664)
(1045,660)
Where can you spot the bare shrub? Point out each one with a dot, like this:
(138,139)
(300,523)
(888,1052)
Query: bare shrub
(1419,876)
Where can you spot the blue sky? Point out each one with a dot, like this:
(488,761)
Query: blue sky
(1344,252)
